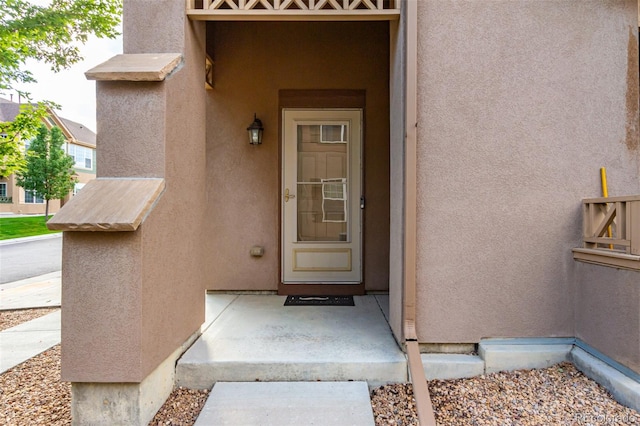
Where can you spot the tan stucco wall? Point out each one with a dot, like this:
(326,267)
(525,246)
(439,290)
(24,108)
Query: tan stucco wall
(131,149)
(131,299)
(101,333)
(174,279)
(519,105)
(253,61)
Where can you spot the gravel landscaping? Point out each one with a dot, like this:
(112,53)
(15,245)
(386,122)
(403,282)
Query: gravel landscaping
(33,394)
(181,408)
(559,395)
(394,405)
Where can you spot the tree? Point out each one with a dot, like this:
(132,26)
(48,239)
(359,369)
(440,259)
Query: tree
(23,127)
(49,170)
(51,34)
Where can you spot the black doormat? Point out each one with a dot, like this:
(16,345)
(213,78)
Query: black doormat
(319,301)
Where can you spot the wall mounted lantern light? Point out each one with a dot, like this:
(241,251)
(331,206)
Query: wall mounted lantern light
(255,131)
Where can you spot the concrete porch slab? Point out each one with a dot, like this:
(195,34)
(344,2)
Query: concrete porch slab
(257,338)
(291,403)
(214,306)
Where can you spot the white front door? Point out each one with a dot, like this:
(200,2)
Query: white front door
(321,190)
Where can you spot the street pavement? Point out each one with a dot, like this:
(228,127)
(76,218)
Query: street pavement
(23,258)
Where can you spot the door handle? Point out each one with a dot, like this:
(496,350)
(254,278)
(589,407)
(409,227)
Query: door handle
(288,196)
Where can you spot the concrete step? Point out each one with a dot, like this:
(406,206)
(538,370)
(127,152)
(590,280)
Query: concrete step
(288,404)
(256,338)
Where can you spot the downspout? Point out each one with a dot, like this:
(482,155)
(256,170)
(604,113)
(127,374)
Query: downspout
(426,416)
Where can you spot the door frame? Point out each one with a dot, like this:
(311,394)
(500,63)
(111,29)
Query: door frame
(320,99)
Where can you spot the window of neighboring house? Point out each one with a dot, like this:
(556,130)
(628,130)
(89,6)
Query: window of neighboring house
(82,156)
(77,187)
(3,189)
(31,197)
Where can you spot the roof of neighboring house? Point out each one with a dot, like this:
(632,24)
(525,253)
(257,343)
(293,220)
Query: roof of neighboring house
(79,132)
(8,110)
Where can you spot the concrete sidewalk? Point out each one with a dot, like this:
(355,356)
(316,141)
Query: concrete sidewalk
(37,292)
(24,341)
(288,404)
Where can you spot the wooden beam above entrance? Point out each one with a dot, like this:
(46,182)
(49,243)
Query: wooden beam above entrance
(293,10)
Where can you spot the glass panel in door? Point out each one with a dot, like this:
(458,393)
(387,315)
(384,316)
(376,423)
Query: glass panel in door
(322,182)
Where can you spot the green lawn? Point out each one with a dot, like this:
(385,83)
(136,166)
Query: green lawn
(26,226)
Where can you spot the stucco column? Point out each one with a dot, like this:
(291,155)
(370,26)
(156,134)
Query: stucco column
(133,293)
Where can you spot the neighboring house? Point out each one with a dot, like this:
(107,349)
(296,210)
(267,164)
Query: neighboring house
(80,143)
(436,149)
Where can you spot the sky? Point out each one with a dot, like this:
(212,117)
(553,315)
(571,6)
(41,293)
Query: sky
(69,88)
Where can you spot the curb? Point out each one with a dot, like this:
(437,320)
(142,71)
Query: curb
(26,281)
(623,388)
(27,239)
